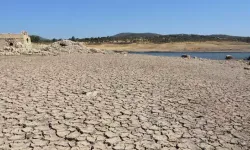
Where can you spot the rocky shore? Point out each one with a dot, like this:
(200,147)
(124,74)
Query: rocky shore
(56,48)
(95,101)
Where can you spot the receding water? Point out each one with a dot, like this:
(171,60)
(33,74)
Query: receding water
(206,55)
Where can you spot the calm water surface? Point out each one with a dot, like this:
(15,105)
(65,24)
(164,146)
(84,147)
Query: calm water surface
(207,55)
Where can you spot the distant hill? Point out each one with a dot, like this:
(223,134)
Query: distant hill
(225,36)
(136,35)
(150,35)
(127,38)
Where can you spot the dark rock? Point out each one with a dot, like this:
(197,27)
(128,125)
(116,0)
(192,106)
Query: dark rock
(228,57)
(247,68)
(185,56)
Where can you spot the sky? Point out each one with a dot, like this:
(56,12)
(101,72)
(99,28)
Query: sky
(96,18)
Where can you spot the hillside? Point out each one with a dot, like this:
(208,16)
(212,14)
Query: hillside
(135,35)
(129,38)
(157,42)
(176,36)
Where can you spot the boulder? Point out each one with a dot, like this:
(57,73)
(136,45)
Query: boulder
(9,48)
(186,56)
(247,68)
(19,45)
(65,43)
(248,58)
(228,57)
(95,50)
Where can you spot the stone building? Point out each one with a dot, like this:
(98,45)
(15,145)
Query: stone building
(15,40)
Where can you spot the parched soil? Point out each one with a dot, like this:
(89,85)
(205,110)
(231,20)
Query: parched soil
(97,101)
(179,47)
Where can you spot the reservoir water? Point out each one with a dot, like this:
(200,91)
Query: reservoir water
(206,55)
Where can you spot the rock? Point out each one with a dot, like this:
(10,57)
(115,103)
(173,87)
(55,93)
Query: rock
(248,58)
(95,50)
(19,45)
(36,51)
(63,46)
(186,56)
(247,68)
(65,43)
(67,46)
(228,57)
(8,48)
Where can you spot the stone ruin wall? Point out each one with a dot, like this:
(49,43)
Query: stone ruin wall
(13,39)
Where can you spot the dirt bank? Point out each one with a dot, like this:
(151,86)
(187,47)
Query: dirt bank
(183,46)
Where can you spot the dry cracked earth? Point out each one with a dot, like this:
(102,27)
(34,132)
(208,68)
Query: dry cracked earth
(106,102)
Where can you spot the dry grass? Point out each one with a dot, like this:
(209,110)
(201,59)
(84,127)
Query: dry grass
(181,46)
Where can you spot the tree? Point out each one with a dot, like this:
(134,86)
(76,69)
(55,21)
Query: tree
(248,39)
(35,38)
(72,39)
(54,40)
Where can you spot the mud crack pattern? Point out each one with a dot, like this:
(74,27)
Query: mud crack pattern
(106,102)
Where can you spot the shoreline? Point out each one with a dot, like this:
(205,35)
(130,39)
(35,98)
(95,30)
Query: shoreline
(157,51)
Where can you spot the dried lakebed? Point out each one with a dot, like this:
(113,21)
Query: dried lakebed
(96,101)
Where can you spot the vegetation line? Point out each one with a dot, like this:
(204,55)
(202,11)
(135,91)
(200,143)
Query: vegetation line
(129,38)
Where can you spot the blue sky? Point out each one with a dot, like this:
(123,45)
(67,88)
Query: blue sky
(92,18)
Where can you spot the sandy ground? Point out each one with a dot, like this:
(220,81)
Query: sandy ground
(183,46)
(96,101)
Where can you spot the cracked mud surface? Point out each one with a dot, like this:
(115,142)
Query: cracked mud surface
(117,102)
